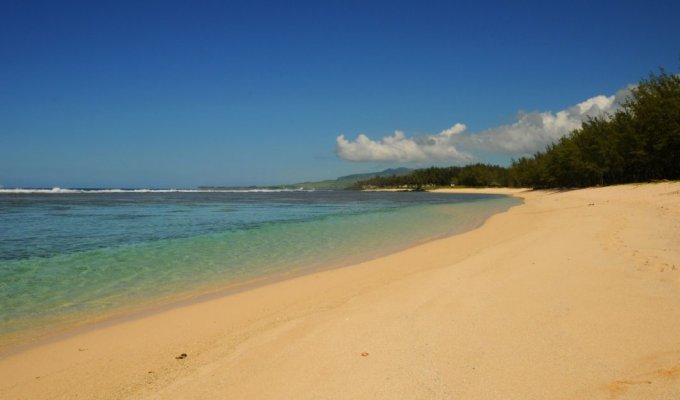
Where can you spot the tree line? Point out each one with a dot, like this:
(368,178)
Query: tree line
(640,142)
(470,175)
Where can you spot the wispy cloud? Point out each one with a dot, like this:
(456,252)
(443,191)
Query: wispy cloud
(531,132)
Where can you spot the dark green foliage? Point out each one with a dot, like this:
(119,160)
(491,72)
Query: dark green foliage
(470,175)
(641,142)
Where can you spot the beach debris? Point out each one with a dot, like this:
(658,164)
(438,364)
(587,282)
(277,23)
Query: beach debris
(82,349)
(364,354)
(181,356)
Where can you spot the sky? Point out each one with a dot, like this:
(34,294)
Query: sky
(188,93)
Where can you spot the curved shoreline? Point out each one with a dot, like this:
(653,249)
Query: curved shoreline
(570,295)
(23,340)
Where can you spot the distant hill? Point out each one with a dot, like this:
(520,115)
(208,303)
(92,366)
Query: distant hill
(345,182)
(341,183)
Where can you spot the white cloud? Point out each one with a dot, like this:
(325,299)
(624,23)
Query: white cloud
(533,131)
(402,149)
(530,133)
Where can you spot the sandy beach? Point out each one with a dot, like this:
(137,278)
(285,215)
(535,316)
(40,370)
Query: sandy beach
(572,295)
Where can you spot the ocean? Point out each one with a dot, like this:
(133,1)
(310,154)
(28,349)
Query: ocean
(68,257)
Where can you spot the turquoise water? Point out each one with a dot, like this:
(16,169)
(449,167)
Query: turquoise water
(66,256)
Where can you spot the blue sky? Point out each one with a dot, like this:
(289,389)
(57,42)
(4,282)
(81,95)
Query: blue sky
(180,94)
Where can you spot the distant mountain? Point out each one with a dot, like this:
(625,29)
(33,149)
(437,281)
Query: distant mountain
(369,175)
(345,182)
(341,183)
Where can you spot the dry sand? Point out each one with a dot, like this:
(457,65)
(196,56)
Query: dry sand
(572,295)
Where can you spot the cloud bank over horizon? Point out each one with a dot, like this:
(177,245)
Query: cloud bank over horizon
(399,148)
(531,132)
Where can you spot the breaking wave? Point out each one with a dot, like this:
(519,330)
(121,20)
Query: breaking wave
(58,190)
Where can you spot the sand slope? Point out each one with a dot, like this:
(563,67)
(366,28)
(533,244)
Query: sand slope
(572,295)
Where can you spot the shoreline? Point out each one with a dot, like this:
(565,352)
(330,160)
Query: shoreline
(91,322)
(571,294)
